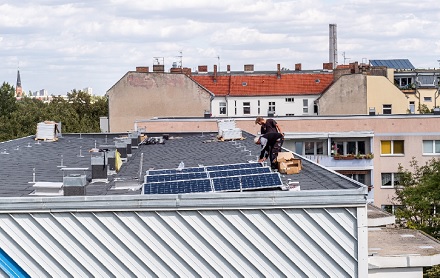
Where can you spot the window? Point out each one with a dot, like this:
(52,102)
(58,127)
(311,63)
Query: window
(271,106)
(392,147)
(290,114)
(305,106)
(258,107)
(235,107)
(404,82)
(246,108)
(313,148)
(357,177)
(431,146)
(427,99)
(386,109)
(350,147)
(390,180)
(390,208)
(290,99)
(222,106)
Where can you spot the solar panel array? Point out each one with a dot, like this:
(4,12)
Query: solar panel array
(403,64)
(218,178)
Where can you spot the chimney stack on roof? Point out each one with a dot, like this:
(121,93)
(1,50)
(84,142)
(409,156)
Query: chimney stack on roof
(142,69)
(298,66)
(327,66)
(228,68)
(215,73)
(249,68)
(158,68)
(278,70)
(203,69)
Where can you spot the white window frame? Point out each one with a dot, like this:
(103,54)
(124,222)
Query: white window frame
(246,105)
(393,180)
(387,107)
(427,99)
(433,144)
(305,106)
(290,99)
(222,108)
(272,106)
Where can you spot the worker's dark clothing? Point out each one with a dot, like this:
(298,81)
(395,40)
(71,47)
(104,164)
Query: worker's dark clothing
(269,127)
(271,147)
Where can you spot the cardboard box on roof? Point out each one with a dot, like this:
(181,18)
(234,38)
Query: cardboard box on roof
(284,156)
(287,164)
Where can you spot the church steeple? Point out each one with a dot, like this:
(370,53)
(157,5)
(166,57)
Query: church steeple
(18,89)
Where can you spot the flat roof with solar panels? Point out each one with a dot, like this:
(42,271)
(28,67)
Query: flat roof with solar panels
(215,178)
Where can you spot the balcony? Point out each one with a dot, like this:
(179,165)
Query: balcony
(331,162)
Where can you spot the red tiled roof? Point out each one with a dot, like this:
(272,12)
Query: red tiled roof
(266,84)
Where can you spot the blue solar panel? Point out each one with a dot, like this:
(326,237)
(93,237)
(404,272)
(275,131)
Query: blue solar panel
(176,176)
(174,171)
(178,187)
(393,63)
(239,172)
(233,166)
(248,182)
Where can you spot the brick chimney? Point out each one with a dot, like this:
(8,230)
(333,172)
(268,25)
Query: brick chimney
(249,68)
(327,66)
(215,73)
(142,69)
(278,70)
(228,68)
(203,69)
(298,66)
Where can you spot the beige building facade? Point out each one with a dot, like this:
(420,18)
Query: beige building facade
(145,95)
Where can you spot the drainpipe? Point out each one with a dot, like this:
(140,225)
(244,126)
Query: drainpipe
(228,70)
(417,90)
(437,93)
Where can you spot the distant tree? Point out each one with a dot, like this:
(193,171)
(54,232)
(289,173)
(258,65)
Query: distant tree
(423,109)
(418,197)
(7,99)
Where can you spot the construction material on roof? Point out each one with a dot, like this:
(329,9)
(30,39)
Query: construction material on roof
(48,131)
(287,164)
(228,131)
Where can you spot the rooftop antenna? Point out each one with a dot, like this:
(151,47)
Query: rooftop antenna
(345,58)
(157,60)
(181,59)
(141,162)
(61,165)
(33,176)
(218,61)
(80,152)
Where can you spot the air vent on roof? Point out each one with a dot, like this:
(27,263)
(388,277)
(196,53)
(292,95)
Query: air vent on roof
(317,81)
(244,83)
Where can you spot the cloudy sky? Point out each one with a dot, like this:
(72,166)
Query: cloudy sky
(64,45)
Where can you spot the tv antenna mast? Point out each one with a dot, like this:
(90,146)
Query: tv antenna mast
(180,59)
(157,60)
(218,61)
(343,55)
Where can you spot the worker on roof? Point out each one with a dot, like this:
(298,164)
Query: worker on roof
(271,144)
(268,126)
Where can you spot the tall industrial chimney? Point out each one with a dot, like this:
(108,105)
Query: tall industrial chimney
(333,45)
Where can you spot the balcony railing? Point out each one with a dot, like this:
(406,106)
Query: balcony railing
(341,161)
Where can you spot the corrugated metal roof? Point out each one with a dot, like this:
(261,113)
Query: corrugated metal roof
(398,64)
(255,242)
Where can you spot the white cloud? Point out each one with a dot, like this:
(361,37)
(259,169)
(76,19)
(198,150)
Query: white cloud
(61,45)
